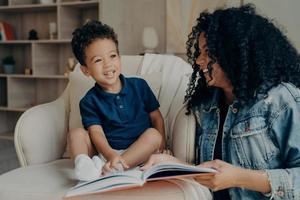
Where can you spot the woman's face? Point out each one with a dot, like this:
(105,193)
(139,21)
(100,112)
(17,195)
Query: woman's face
(218,77)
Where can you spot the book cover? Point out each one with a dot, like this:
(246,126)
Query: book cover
(135,178)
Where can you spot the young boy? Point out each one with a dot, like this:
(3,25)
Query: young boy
(120,115)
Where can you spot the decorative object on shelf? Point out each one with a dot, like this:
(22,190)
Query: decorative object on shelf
(8,63)
(46,1)
(70,67)
(87,20)
(28,71)
(33,35)
(6,31)
(52,30)
(150,39)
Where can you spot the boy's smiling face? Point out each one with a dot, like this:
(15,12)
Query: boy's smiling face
(103,64)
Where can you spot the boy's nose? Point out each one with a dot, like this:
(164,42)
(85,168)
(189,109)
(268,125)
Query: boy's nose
(107,64)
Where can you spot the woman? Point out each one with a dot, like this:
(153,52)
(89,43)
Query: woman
(243,92)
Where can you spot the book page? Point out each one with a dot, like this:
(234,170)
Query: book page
(114,181)
(173,169)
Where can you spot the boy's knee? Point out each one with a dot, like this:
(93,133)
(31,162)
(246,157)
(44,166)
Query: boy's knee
(77,133)
(155,136)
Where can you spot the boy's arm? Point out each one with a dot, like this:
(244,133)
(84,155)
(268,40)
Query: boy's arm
(158,123)
(99,140)
(101,144)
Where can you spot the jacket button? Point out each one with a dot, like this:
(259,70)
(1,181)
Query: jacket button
(280,193)
(234,110)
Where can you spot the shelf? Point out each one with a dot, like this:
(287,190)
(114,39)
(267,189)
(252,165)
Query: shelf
(21,53)
(35,41)
(80,4)
(52,41)
(3,108)
(34,76)
(57,57)
(16,42)
(44,7)
(28,8)
(33,91)
(75,14)
(7,136)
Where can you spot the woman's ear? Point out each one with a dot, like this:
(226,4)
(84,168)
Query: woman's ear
(85,70)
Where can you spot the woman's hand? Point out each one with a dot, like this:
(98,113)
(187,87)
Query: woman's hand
(226,177)
(229,176)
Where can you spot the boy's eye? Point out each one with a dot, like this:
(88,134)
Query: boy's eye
(98,60)
(113,55)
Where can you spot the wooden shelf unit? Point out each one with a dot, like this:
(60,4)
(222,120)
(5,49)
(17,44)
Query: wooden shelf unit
(47,58)
(7,136)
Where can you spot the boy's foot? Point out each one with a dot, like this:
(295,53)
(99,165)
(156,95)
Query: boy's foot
(98,163)
(85,169)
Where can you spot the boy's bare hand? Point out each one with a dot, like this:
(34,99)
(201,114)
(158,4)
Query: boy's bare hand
(115,163)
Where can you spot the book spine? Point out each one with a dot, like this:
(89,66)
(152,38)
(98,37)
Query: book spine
(3,38)
(9,34)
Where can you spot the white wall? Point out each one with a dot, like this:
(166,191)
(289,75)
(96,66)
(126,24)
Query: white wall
(285,12)
(182,15)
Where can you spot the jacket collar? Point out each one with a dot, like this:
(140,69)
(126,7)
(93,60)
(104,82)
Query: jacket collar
(213,102)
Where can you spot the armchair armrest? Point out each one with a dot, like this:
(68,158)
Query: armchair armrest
(40,133)
(184,131)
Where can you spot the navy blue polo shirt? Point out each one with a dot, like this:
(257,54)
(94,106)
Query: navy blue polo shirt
(123,116)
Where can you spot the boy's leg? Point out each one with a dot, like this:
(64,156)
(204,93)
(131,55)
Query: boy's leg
(147,144)
(80,143)
(81,151)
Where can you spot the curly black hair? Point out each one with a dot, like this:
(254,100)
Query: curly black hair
(251,50)
(85,35)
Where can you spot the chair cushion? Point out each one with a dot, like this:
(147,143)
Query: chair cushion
(52,180)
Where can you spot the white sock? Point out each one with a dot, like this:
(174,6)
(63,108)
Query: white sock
(85,169)
(98,163)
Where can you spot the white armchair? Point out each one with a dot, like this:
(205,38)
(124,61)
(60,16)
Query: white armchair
(40,141)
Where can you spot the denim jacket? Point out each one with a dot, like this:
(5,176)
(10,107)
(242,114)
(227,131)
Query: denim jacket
(265,135)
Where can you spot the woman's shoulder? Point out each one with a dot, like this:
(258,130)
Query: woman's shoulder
(285,91)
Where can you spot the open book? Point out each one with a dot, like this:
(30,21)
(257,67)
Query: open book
(135,177)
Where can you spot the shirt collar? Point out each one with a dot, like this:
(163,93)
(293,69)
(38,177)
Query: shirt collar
(123,92)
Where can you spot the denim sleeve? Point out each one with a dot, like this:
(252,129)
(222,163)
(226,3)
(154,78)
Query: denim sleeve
(285,182)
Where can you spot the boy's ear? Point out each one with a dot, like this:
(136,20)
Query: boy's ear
(85,70)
